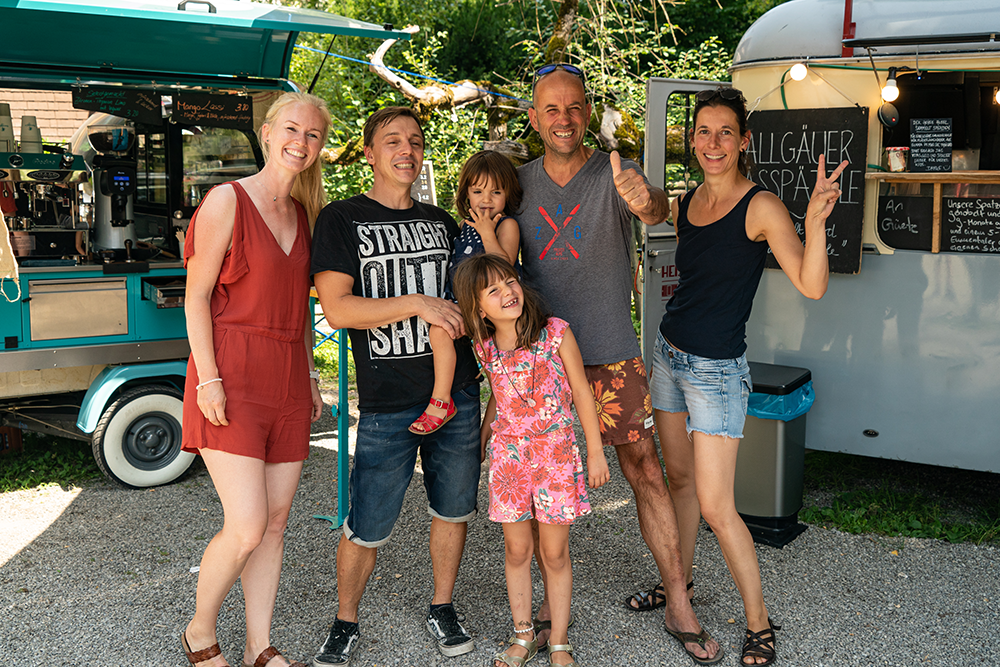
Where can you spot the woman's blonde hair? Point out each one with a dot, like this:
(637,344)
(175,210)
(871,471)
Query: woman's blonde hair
(308,188)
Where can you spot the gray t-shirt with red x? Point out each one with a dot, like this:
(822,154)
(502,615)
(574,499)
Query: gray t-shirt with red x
(576,252)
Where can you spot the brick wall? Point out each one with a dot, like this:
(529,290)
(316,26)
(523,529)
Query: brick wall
(57,119)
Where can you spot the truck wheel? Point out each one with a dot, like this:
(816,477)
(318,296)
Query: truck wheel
(137,442)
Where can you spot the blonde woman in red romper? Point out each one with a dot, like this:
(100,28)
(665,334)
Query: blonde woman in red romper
(249,399)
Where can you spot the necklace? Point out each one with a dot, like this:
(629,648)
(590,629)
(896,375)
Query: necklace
(265,189)
(510,380)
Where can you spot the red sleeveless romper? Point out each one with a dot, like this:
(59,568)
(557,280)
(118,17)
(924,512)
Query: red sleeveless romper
(259,309)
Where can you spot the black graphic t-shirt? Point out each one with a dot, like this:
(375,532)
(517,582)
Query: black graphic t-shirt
(391,253)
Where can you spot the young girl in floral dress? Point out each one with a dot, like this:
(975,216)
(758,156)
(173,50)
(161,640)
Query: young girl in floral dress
(535,370)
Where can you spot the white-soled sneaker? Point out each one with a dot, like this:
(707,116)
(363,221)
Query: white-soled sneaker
(451,637)
(336,650)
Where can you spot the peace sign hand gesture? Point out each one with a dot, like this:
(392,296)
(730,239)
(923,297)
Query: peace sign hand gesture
(825,194)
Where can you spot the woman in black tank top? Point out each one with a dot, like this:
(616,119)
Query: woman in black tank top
(722,227)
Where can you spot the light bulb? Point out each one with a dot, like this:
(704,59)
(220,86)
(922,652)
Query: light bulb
(799,71)
(890,92)
(996,95)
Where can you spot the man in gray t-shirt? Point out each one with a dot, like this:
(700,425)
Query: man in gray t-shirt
(575,221)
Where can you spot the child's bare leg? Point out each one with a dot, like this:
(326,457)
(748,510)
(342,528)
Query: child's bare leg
(444,369)
(553,543)
(518,546)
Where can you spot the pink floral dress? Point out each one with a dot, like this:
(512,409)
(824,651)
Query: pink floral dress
(535,465)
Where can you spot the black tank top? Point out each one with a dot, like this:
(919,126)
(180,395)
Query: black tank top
(720,269)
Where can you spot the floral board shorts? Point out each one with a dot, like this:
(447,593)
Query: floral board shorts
(624,407)
(538,476)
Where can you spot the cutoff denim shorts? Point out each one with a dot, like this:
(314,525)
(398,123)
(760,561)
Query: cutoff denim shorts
(714,392)
(384,460)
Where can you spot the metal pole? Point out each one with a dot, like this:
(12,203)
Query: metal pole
(343,441)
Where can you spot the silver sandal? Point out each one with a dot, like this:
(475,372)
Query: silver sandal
(566,648)
(514,661)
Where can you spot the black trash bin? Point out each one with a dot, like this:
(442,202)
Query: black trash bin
(770,464)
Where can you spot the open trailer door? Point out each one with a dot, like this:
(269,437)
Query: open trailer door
(669,104)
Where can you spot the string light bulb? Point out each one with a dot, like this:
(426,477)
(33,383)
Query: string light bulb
(798,71)
(996,95)
(890,92)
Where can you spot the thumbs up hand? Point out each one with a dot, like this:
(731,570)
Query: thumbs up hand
(630,185)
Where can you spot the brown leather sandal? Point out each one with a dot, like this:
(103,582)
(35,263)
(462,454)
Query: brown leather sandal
(194,657)
(266,656)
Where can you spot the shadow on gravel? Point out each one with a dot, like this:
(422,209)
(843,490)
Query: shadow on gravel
(108,581)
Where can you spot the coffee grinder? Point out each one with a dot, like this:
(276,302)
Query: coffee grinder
(115,174)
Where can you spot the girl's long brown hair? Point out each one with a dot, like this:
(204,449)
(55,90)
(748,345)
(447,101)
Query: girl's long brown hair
(472,277)
(499,168)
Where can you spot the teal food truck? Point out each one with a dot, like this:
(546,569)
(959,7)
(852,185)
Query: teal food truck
(94,341)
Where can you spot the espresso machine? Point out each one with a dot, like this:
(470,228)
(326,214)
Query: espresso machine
(114,186)
(41,199)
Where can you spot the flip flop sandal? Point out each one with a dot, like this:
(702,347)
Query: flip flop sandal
(760,645)
(266,655)
(700,639)
(539,626)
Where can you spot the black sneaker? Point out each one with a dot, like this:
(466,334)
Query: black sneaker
(336,650)
(443,626)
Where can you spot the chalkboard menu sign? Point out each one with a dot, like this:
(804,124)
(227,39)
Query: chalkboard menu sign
(138,105)
(904,222)
(930,144)
(785,146)
(232,111)
(970,224)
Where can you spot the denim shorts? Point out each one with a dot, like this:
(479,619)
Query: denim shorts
(714,392)
(384,460)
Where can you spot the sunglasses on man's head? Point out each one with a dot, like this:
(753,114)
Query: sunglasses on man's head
(566,67)
(725,93)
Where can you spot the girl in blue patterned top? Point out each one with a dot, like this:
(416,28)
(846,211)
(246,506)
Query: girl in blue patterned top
(488,193)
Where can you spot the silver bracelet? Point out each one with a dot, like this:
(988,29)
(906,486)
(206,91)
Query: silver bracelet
(199,386)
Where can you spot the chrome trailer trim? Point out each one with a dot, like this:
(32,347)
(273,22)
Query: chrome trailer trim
(88,355)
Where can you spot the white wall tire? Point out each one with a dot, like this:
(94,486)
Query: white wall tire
(137,442)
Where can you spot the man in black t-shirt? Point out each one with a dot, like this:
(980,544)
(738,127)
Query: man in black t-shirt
(379,264)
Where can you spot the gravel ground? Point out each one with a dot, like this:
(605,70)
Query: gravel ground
(102,576)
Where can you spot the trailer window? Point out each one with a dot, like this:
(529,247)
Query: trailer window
(151,169)
(214,155)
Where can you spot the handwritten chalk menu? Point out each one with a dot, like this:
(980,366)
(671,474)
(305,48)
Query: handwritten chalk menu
(930,144)
(970,225)
(905,222)
(785,146)
(138,105)
(232,111)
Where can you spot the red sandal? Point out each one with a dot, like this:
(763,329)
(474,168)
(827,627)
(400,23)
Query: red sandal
(426,423)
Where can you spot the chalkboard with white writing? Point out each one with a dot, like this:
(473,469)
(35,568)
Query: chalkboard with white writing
(905,223)
(232,111)
(785,146)
(971,224)
(137,105)
(930,144)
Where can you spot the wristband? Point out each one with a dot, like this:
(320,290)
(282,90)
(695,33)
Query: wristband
(199,386)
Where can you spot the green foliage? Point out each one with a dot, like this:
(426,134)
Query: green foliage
(696,21)
(47,460)
(862,495)
(327,360)
(620,45)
